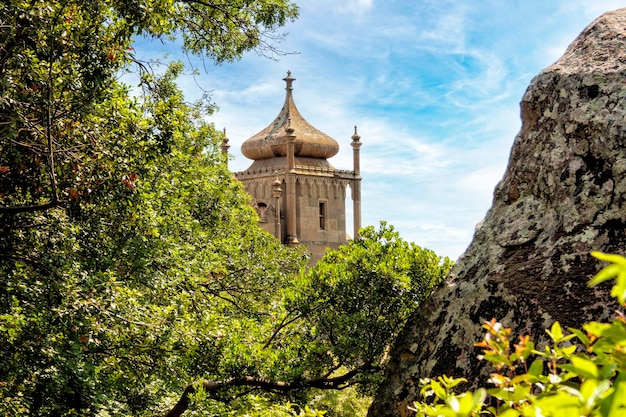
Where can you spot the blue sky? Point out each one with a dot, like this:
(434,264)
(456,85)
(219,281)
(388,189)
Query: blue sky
(433,85)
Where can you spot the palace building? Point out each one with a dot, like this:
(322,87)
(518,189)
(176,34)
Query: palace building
(299,196)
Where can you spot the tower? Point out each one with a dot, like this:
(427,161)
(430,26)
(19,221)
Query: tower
(299,196)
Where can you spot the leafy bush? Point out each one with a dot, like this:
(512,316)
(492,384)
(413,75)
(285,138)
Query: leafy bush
(579,374)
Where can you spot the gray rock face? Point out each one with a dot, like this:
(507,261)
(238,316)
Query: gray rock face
(562,196)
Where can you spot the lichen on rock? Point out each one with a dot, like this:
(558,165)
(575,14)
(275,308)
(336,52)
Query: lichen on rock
(563,195)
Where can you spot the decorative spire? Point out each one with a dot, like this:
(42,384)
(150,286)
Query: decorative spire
(289,80)
(225,144)
(289,130)
(355,137)
(276,190)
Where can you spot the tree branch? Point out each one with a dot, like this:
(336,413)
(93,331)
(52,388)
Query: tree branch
(183,403)
(284,323)
(211,387)
(34,262)
(53,180)
(29,209)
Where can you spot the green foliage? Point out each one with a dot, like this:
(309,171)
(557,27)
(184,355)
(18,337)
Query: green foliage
(133,277)
(127,249)
(224,29)
(116,301)
(356,299)
(339,403)
(58,62)
(257,406)
(587,378)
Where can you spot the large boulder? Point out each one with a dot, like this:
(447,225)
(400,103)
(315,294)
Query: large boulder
(562,196)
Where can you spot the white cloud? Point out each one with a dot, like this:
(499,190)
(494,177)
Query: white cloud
(357,6)
(342,7)
(593,9)
(433,85)
(446,28)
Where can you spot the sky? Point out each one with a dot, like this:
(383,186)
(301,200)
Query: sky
(433,85)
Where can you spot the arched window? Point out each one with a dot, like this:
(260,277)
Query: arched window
(262,211)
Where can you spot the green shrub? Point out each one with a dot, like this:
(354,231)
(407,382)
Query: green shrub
(581,373)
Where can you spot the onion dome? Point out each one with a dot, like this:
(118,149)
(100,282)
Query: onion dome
(272,141)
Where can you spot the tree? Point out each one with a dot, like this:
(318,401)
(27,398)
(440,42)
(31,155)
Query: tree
(335,321)
(128,291)
(104,198)
(356,299)
(58,61)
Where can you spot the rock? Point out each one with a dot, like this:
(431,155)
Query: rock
(563,195)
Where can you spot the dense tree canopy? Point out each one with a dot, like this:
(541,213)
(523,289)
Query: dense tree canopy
(58,61)
(356,298)
(109,294)
(133,278)
(332,324)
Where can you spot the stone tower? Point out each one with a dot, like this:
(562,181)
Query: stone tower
(299,196)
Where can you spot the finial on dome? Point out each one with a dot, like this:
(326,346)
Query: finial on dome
(289,80)
(289,129)
(356,136)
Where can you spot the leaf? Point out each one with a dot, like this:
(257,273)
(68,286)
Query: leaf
(555,332)
(479,396)
(464,404)
(614,259)
(605,274)
(580,335)
(536,368)
(565,402)
(438,390)
(619,289)
(582,367)
(567,350)
(592,390)
(509,412)
(499,393)
(518,379)
(596,328)
(615,403)
(453,382)
(520,392)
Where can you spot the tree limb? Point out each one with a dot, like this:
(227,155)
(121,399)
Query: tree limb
(284,323)
(29,209)
(211,387)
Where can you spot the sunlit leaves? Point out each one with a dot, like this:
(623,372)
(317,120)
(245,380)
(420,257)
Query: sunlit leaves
(357,298)
(119,300)
(617,270)
(58,61)
(222,29)
(445,402)
(563,379)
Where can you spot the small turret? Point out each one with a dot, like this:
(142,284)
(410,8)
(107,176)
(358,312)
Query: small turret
(225,146)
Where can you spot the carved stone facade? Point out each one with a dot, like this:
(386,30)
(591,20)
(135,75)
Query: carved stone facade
(299,196)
